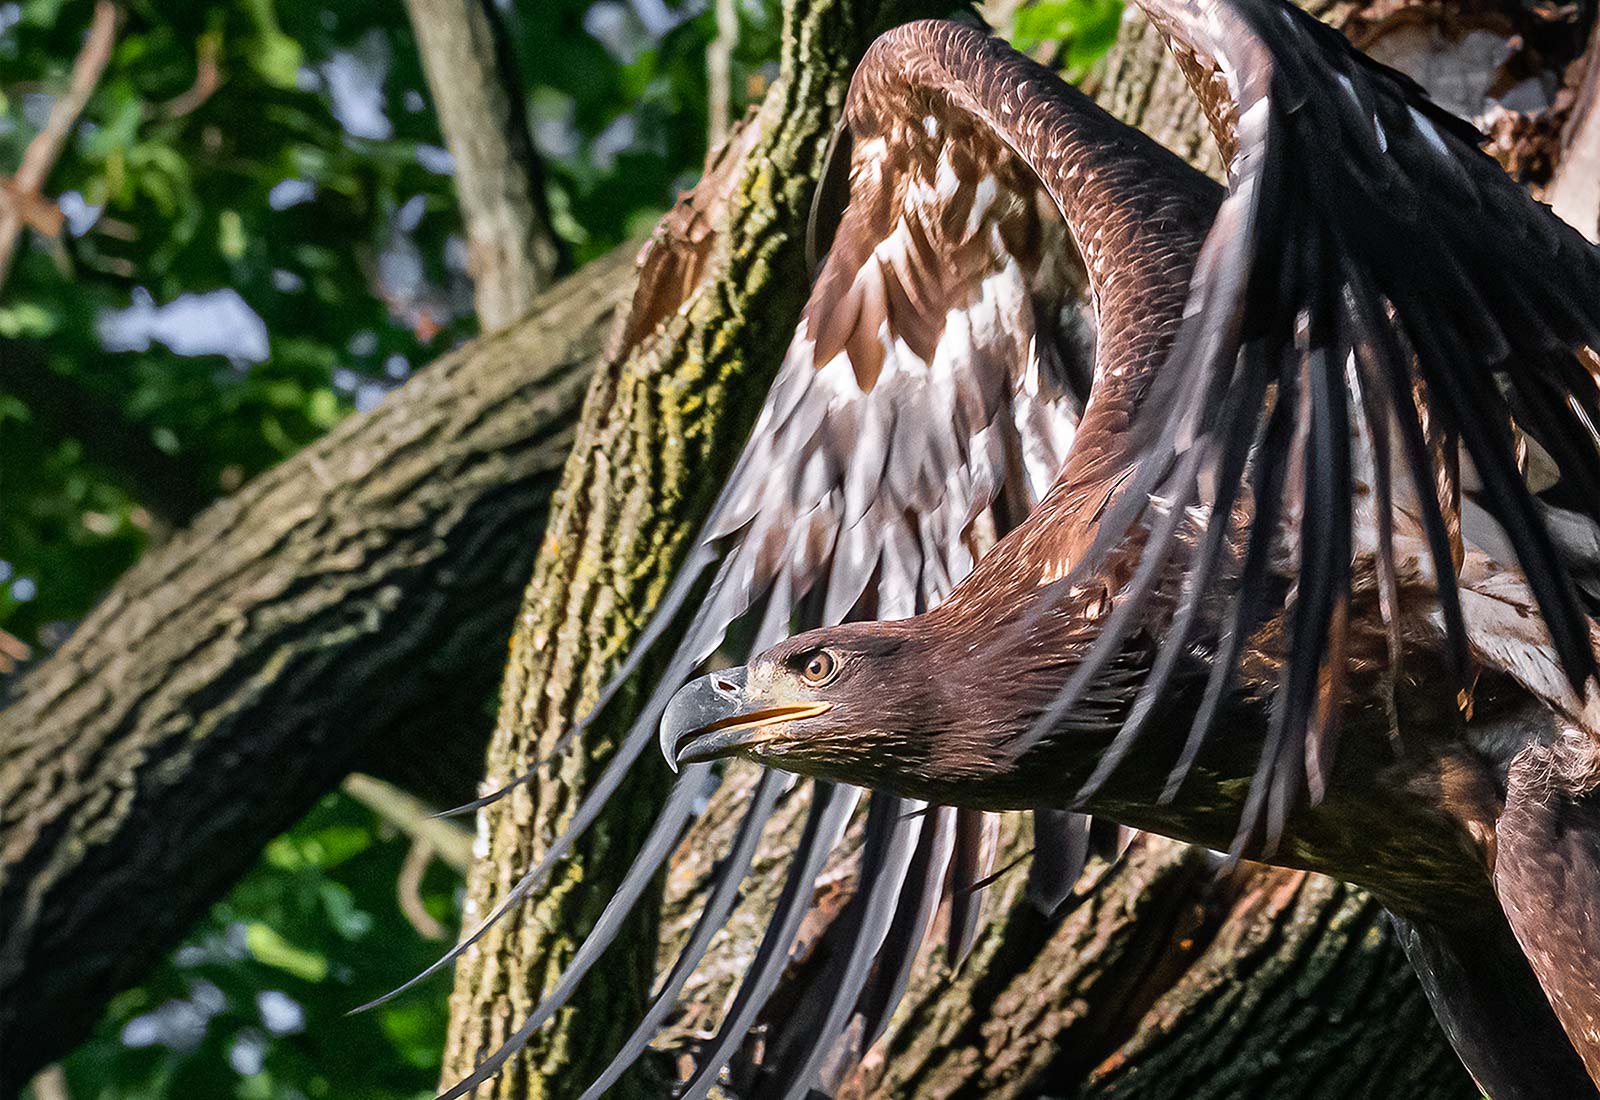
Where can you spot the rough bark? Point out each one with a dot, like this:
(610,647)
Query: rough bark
(356,598)
(131,785)
(1166,981)
(659,431)
(1170,982)
(511,253)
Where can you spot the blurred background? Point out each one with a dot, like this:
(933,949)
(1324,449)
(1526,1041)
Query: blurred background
(251,232)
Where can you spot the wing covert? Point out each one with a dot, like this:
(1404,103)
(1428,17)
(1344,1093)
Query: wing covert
(1378,313)
(925,404)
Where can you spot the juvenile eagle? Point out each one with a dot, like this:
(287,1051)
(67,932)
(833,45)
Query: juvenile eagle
(1329,478)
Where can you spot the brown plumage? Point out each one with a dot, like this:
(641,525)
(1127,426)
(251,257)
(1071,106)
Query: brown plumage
(1085,631)
(1275,578)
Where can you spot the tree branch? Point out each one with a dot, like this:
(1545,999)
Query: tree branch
(511,252)
(660,429)
(719,72)
(346,610)
(21,194)
(355,597)
(1164,982)
(451,842)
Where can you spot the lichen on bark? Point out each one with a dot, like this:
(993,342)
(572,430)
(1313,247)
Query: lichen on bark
(338,611)
(1166,982)
(660,428)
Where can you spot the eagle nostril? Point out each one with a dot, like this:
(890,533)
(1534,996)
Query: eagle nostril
(726,685)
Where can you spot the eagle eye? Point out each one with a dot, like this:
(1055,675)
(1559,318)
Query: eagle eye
(820,667)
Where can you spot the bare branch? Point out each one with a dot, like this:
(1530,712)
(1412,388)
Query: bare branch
(344,610)
(207,79)
(51,1083)
(719,73)
(13,651)
(19,195)
(445,839)
(408,891)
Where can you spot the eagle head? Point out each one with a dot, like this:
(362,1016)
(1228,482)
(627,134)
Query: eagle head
(876,704)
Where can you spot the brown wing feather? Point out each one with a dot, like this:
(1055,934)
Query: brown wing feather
(1351,276)
(926,402)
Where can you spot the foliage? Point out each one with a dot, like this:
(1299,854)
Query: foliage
(618,103)
(262,237)
(245,267)
(295,214)
(252,1006)
(1082,29)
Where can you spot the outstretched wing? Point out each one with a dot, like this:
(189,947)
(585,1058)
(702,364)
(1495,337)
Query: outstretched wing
(1380,322)
(925,404)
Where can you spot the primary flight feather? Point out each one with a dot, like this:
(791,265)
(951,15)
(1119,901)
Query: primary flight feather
(1086,486)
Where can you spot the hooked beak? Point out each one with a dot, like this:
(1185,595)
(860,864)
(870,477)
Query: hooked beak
(710,717)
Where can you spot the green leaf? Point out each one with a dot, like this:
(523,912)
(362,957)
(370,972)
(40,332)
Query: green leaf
(119,122)
(284,854)
(271,949)
(332,846)
(230,235)
(26,319)
(274,55)
(41,13)
(1086,28)
(323,408)
(344,915)
(410,1027)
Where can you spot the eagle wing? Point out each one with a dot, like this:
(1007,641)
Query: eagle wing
(925,404)
(1380,323)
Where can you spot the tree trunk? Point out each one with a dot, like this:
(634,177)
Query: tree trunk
(356,598)
(511,254)
(660,429)
(1168,982)
(1163,983)
(357,595)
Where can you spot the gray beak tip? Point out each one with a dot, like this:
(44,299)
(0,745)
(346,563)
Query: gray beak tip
(700,703)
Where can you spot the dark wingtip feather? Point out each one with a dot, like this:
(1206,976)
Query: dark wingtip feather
(719,904)
(663,837)
(1060,852)
(661,620)
(830,811)
(977,838)
(888,849)
(488,799)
